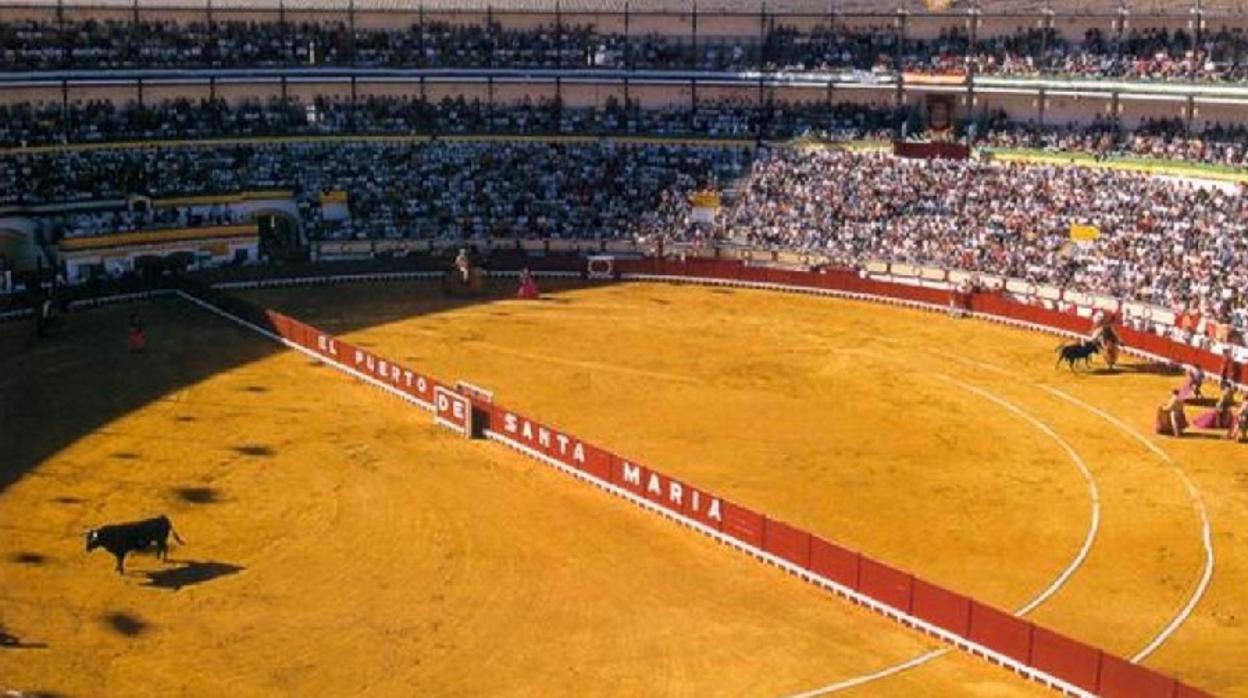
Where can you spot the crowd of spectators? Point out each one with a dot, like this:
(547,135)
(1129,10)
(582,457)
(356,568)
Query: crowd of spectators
(101,121)
(398,190)
(131,218)
(1164,242)
(1152,54)
(1147,54)
(1160,139)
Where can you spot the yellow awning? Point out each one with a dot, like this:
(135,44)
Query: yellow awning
(152,237)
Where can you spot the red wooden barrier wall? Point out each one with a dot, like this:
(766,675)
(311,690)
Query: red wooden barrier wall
(743,524)
(883,583)
(1001,631)
(1066,659)
(941,607)
(1122,678)
(782,540)
(830,560)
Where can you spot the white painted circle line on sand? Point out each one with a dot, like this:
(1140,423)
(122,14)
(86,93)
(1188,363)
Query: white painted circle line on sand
(1093,492)
(1198,503)
(1093,527)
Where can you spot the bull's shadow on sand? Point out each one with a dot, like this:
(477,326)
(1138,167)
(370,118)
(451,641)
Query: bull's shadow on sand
(198,495)
(1155,368)
(126,624)
(9,641)
(189,573)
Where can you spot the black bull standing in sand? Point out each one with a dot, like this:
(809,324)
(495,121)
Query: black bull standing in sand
(120,539)
(1080,351)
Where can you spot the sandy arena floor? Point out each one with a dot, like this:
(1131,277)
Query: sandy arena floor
(338,544)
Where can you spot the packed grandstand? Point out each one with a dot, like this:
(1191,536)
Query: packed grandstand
(1073,168)
(797,170)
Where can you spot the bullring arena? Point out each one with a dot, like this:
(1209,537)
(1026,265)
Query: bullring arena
(649,348)
(339,542)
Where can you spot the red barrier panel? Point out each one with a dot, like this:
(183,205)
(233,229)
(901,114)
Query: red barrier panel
(1182,690)
(341,351)
(941,607)
(1066,659)
(1122,678)
(278,322)
(629,475)
(292,330)
(667,492)
(306,335)
(422,387)
(742,524)
(1000,631)
(326,344)
(886,584)
(784,541)
(704,508)
(834,562)
(597,463)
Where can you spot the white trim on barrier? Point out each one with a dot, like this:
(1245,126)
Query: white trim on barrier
(93,302)
(537,274)
(379,276)
(16,314)
(472,390)
(304,350)
(801,572)
(327,279)
(119,298)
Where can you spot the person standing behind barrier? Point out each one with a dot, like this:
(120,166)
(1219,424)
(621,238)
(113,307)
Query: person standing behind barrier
(1227,371)
(528,286)
(136,340)
(463,265)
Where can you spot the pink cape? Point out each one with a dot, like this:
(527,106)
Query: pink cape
(528,290)
(1212,419)
(1162,425)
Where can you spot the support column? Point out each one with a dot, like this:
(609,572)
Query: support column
(693,61)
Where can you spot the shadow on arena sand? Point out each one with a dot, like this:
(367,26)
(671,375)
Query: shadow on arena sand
(189,573)
(55,391)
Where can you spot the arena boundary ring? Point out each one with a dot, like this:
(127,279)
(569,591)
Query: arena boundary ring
(858,597)
(818,580)
(1151,678)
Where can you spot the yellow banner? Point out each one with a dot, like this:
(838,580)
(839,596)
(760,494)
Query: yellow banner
(223,199)
(153,237)
(1084,233)
(705,199)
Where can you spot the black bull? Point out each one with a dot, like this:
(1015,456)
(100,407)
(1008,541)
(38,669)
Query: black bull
(1083,351)
(120,539)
